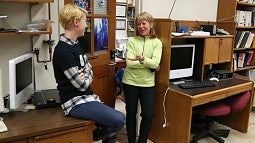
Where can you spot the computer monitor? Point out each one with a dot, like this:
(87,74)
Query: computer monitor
(182,61)
(21,83)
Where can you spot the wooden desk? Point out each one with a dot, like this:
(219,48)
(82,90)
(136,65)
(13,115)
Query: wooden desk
(180,102)
(45,126)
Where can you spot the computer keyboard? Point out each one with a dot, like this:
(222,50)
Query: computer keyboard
(196,84)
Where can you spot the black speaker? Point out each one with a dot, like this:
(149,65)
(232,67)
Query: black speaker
(209,28)
(46,99)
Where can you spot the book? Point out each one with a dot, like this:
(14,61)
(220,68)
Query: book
(234,61)
(240,39)
(252,62)
(241,18)
(241,57)
(246,58)
(249,40)
(244,39)
(248,17)
(237,37)
(251,54)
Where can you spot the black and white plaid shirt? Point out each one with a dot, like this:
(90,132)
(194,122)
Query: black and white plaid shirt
(73,75)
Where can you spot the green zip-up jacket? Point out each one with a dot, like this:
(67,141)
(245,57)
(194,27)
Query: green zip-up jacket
(139,73)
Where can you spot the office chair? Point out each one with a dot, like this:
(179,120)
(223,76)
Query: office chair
(209,111)
(227,106)
(238,102)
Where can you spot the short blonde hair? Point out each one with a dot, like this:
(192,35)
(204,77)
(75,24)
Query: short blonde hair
(147,17)
(69,13)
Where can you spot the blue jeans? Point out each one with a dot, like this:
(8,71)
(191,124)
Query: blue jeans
(146,96)
(102,114)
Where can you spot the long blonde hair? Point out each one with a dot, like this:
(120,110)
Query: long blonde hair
(69,13)
(147,17)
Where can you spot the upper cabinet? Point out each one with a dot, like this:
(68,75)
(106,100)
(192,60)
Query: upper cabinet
(45,29)
(237,17)
(218,50)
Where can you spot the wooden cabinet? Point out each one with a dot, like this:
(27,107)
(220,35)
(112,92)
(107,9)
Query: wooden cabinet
(77,135)
(45,126)
(218,50)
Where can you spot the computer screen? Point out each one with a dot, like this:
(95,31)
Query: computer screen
(21,85)
(182,61)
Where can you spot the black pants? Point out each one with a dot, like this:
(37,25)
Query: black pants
(146,96)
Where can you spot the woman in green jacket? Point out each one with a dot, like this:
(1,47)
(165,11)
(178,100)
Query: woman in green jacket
(142,61)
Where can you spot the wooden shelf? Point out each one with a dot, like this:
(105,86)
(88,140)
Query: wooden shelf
(244,68)
(48,31)
(26,0)
(243,49)
(245,27)
(245,4)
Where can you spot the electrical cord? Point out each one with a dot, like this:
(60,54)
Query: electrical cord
(171,9)
(164,108)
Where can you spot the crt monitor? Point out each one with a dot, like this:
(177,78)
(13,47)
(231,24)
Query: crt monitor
(21,84)
(182,61)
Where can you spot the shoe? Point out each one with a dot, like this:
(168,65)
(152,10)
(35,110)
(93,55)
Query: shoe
(102,134)
(97,134)
(111,139)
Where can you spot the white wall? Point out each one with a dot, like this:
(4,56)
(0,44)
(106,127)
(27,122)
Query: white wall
(204,10)
(13,46)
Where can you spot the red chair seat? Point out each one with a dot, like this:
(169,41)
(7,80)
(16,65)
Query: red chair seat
(214,109)
(238,102)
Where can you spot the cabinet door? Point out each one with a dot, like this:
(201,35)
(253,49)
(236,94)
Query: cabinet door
(211,50)
(225,53)
(98,42)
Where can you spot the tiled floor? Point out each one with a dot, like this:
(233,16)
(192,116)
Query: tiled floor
(234,136)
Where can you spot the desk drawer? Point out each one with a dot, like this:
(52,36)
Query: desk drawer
(78,135)
(199,100)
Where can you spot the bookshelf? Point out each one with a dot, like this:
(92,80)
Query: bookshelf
(238,18)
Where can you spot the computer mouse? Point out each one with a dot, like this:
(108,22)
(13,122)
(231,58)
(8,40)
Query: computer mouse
(51,100)
(214,79)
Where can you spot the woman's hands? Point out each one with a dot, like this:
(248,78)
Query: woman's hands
(140,58)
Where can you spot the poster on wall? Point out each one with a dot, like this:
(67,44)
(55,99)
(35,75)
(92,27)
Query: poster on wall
(85,4)
(101,34)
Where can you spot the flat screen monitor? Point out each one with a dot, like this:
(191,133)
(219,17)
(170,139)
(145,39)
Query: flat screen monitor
(182,61)
(21,84)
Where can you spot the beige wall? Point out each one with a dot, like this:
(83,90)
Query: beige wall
(18,15)
(205,10)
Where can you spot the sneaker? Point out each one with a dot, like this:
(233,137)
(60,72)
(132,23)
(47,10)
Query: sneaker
(111,139)
(102,134)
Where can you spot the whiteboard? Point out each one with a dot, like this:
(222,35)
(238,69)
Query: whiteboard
(203,10)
